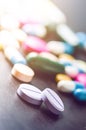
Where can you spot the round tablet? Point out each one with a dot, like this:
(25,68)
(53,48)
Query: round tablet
(53,101)
(22,72)
(30,93)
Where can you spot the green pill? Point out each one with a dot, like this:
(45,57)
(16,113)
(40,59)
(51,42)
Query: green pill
(43,64)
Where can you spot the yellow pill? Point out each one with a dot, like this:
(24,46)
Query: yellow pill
(60,77)
(66,56)
(22,72)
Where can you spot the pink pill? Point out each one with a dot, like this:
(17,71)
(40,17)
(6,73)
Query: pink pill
(33,43)
(81,78)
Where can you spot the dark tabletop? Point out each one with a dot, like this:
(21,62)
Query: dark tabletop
(16,114)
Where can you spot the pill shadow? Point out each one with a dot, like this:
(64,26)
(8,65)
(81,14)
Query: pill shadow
(46,112)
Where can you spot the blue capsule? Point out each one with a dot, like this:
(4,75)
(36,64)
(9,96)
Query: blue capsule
(14,56)
(68,48)
(80,94)
(82,38)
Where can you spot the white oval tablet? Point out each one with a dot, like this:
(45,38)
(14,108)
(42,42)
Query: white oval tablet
(66,86)
(53,101)
(30,93)
(22,72)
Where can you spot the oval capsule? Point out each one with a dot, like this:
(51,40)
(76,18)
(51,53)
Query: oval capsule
(30,94)
(67,34)
(44,64)
(80,94)
(68,86)
(14,56)
(58,47)
(35,29)
(33,43)
(22,72)
(52,101)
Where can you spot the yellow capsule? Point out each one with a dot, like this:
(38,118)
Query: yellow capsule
(60,77)
(66,56)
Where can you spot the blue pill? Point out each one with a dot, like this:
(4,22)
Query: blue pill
(82,38)
(79,85)
(68,48)
(80,94)
(14,56)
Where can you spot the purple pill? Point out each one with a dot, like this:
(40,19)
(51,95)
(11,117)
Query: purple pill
(52,101)
(30,94)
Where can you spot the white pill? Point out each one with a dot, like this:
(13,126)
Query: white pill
(30,94)
(69,86)
(67,34)
(72,71)
(53,101)
(49,56)
(14,56)
(22,72)
(56,47)
(66,86)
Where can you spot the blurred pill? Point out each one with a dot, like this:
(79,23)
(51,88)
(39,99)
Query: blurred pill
(14,56)
(80,64)
(22,72)
(80,94)
(44,64)
(60,77)
(19,35)
(82,38)
(71,71)
(81,78)
(33,43)
(30,93)
(48,56)
(47,9)
(66,56)
(68,86)
(67,34)
(57,47)
(9,22)
(7,39)
(35,29)
(52,101)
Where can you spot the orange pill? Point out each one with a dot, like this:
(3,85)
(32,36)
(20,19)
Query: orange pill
(22,72)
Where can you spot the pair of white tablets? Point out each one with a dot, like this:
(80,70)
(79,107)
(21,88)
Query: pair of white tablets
(35,96)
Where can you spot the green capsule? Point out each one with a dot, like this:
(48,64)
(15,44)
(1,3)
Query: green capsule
(43,64)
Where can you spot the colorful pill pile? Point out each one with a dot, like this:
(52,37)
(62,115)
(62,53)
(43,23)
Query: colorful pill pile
(24,44)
